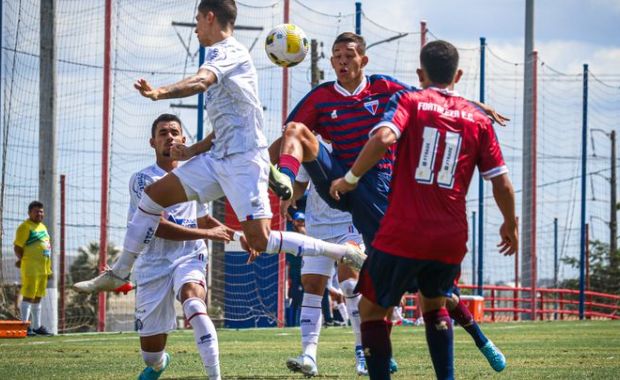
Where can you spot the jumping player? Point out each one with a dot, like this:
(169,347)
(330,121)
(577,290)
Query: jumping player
(422,239)
(237,165)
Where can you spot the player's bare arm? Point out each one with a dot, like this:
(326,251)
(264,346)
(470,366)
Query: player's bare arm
(181,152)
(372,152)
(492,113)
(189,86)
(172,231)
(208,221)
(503,193)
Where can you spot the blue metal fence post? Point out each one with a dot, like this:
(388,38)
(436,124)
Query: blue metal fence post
(201,101)
(358,17)
(481,182)
(473,248)
(584,152)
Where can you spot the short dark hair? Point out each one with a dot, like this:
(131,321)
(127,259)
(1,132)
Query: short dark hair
(225,11)
(34,204)
(352,37)
(165,117)
(440,60)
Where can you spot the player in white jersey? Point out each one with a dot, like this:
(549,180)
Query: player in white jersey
(237,164)
(335,226)
(173,265)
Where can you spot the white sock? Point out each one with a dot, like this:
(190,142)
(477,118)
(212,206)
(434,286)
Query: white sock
(352,300)
(154,360)
(344,313)
(140,231)
(303,245)
(206,337)
(36,315)
(123,264)
(25,309)
(310,320)
(397,314)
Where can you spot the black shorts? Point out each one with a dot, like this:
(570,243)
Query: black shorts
(367,203)
(385,278)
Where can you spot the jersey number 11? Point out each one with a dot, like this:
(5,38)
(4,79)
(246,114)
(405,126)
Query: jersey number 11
(424,172)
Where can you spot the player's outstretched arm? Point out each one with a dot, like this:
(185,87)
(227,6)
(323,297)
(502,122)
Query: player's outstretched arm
(372,152)
(492,113)
(505,198)
(208,221)
(189,86)
(172,231)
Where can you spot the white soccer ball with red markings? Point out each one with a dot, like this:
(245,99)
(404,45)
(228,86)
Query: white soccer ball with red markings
(286,45)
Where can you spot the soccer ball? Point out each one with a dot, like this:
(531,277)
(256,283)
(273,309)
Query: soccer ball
(286,45)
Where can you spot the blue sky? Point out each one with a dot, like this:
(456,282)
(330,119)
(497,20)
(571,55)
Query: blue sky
(568,33)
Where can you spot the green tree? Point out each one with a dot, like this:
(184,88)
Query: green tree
(81,310)
(604,277)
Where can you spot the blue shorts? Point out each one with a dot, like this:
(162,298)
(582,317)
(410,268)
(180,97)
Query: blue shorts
(385,278)
(367,203)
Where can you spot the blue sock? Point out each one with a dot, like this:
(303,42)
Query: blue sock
(289,173)
(440,342)
(463,317)
(479,338)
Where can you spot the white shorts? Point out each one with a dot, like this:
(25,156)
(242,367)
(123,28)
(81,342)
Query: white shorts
(325,265)
(243,178)
(155,312)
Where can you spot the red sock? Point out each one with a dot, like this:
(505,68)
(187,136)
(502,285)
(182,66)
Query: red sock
(289,163)
(377,348)
(463,317)
(389,327)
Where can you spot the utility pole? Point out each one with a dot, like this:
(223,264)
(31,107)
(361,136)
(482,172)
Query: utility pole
(47,147)
(316,73)
(528,211)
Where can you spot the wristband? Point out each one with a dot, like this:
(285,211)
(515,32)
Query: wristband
(351,178)
(237,236)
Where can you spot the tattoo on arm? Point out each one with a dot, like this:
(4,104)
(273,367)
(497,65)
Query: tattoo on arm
(189,86)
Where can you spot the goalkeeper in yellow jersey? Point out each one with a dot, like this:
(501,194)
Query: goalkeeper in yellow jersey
(34,257)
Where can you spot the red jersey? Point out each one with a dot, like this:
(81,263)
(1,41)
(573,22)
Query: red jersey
(442,138)
(345,119)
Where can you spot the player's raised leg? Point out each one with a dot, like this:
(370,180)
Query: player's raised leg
(260,237)
(461,314)
(297,144)
(140,231)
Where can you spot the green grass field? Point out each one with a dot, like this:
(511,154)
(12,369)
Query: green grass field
(541,350)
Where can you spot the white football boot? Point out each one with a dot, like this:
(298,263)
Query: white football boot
(304,364)
(106,281)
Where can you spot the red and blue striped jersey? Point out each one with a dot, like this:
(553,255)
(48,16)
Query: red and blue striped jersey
(345,119)
(442,138)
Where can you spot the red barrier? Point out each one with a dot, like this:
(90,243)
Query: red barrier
(502,303)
